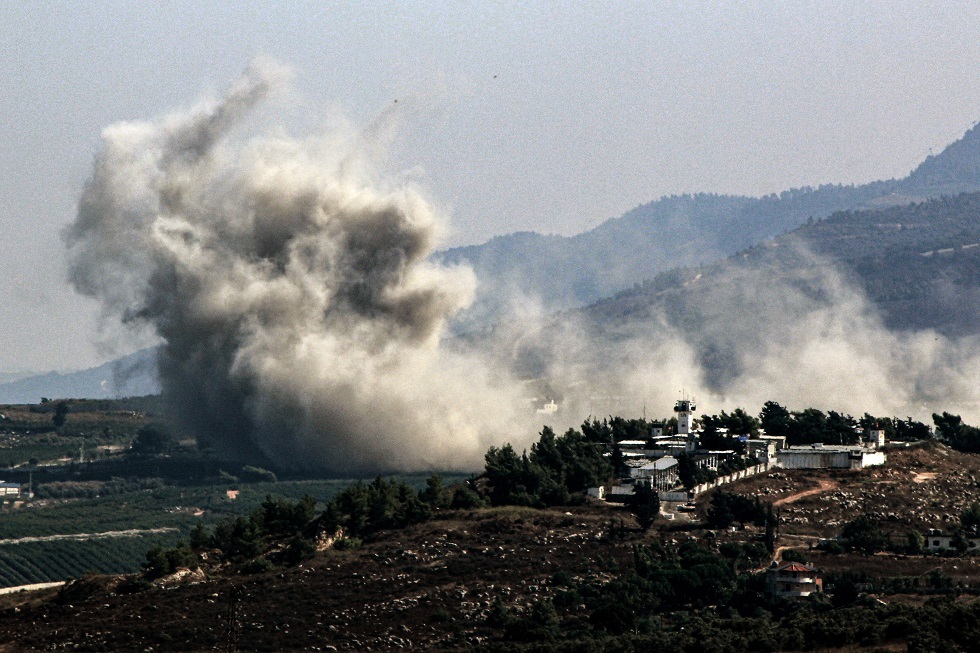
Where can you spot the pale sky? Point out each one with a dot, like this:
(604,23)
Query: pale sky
(536,115)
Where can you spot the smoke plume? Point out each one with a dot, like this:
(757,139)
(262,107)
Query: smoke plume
(300,318)
(804,336)
(303,322)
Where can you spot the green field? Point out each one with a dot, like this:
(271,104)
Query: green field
(182,490)
(171,507)
(40,562)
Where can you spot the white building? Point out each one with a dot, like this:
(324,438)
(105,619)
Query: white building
(824,456)
(661,474)
(937,541)
(764,450)
(876,438)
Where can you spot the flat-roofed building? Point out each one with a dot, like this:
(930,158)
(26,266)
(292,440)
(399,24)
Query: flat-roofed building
(661,474)
(824,456)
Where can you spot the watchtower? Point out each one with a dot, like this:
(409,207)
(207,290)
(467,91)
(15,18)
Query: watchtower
(685,409)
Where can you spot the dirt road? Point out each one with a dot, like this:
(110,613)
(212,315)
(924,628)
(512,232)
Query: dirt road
(824,486)
(133,532)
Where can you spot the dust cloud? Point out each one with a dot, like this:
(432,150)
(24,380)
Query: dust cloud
(300,319)
(303,323)
(804,337)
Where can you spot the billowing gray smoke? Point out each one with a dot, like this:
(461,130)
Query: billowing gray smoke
(302,321)
(299,316)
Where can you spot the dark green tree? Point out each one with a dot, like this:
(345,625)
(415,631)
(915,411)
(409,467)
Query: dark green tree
(278,517)
(864,534)
(163,562)
(970,517)
(436,494)
(960,436)
(775,419)
(153,439)
(645,505)
(60,415)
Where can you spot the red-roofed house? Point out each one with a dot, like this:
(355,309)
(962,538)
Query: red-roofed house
(793,579)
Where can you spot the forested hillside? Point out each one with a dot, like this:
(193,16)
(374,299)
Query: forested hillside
(918,264)
(680,231)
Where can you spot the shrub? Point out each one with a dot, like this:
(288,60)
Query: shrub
(298,550)
(347,543)
(163,562)
(251,474)
(257,566)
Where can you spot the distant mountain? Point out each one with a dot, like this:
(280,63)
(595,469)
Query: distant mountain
(678,231)
(955,170)
(915,266)
(133,375)
(918,264)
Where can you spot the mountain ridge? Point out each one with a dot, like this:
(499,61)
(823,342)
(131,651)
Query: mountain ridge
(675,231)
(132,375)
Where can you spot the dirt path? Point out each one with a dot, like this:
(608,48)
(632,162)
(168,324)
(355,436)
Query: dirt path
(31,588)
(824,485)
(133,532)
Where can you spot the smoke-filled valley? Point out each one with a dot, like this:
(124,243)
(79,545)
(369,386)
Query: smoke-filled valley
(305,320)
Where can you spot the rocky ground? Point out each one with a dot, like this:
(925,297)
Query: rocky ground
(424,588)
(431,587)
(919,488)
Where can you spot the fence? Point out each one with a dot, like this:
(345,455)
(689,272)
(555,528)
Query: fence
(737,476)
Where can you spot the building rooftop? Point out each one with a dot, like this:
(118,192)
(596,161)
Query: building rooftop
(794,567)
(829,448)
(664,463)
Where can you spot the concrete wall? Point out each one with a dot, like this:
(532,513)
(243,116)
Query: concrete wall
(725,480)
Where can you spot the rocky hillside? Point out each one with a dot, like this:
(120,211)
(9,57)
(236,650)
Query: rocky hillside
(575,579)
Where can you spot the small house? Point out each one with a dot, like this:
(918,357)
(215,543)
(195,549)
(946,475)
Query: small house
(792,579)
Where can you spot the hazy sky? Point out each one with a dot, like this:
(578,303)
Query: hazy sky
(533,115)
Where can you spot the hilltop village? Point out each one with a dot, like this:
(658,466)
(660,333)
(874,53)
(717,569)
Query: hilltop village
(678,466)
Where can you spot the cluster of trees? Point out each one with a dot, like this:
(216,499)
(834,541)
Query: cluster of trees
(661,579)
(692,474)
(154,439)
(808,426)
(727,509)
(689,598)
(951,430)
(617,429)
(556,471)
(737,423)
(276,521)
(866,534)
(907,430)
(285,532)
(364,509)
(93,489)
